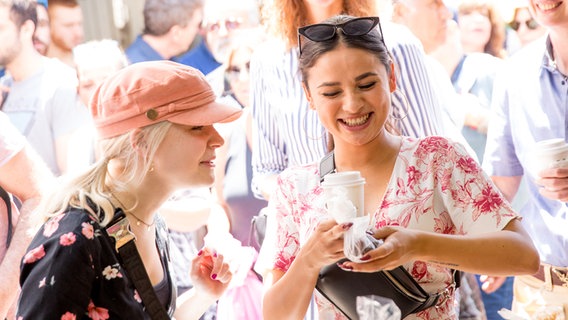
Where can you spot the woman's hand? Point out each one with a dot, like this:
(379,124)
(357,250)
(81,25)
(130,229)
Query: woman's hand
(398,248)
(210,275)
(325,245)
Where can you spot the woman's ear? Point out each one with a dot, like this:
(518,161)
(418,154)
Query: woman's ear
(392,78)
(308,96)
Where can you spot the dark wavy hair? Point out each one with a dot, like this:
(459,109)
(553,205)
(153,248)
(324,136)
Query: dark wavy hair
(371,42)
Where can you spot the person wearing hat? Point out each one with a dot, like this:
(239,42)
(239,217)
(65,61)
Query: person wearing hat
(155,128)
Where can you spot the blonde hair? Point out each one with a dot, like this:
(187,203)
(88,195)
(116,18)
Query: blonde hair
(93,189)
(284,17)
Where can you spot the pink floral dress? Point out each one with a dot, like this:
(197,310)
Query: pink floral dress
(435,186)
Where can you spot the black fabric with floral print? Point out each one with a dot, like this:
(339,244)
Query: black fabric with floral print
(72,271)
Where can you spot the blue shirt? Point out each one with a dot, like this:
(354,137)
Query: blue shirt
(530,100)
(200,58)
(140,51)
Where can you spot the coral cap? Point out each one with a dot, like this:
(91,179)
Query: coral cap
(146,93)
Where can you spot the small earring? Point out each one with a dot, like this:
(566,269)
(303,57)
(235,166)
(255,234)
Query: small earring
(151,168)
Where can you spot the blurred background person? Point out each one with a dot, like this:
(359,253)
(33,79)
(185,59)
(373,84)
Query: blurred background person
(66,29)
(42,100)
(170,27)
(481,27)
(94,61)
(42,35)
(223,21)
(525,27)
(25,178)
(472,77)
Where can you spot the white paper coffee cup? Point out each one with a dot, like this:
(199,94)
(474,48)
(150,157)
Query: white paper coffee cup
(551,153)
(344,195)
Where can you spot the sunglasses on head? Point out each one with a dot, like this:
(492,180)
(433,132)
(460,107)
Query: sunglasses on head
(531,24)
(324,31)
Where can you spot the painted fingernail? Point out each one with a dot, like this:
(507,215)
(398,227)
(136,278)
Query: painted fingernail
(344,267)
(214,276)
(370,232)
(200,252)
(347,225)
(215,255)
(366,257)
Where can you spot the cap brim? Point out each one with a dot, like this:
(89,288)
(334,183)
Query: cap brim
(207,114)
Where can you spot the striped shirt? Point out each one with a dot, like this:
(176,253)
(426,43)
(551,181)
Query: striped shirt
(286,133)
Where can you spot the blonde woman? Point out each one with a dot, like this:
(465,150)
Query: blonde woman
(155,121)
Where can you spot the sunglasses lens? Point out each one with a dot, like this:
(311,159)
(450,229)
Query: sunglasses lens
(358,27)
(515,25)
(319,32)
(532,24)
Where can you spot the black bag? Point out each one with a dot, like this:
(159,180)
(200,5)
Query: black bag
(342,288)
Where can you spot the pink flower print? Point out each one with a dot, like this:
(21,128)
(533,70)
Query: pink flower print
(468,165)
(88,231)
(137,297)
(414,176)
(68,316)
(34,255)
(67,239)
(111,273)
(419,270)
(443,224)
(97,313)
(487,201)
(433,145)
(51,225)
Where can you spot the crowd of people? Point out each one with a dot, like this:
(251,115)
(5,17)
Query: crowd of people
(129,177)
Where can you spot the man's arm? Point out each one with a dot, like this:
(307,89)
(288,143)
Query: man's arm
(26,177)
(507,185)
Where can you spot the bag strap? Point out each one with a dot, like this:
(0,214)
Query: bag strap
(125,245)
(8,200)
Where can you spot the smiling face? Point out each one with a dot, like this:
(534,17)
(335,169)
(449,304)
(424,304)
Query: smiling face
(350,89)
(185,158)
(552,14)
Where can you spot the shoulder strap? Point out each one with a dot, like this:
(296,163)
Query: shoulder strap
(119,229)
(8,200)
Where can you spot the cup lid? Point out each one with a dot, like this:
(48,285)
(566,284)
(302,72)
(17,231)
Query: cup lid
(343,178)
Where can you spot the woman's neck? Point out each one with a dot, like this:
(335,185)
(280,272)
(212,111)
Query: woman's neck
(372,156)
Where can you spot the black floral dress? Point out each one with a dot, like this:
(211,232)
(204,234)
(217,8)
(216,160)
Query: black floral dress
(72,271)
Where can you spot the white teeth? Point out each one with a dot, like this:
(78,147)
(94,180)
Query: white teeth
(544,6)
(356,121)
